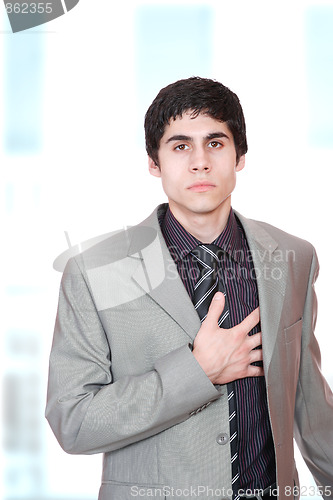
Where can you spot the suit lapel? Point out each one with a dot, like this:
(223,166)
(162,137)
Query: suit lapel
(158,276)
(271,283)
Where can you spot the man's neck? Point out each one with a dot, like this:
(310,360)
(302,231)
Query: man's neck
(206,227)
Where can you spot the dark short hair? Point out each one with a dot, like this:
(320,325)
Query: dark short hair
(201,95)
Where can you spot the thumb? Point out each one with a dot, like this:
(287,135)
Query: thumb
(216,307)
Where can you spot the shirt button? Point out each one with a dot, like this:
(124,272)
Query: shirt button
(222,438)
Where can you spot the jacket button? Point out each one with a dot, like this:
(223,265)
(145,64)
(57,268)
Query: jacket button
(222,438)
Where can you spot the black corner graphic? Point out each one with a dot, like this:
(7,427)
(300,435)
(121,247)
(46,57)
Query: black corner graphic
(24,15)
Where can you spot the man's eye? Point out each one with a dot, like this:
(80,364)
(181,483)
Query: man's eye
(181,147)
(215,144)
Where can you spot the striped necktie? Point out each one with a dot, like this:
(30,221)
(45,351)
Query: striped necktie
(209,282)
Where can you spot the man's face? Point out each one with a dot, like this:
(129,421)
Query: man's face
(197,165)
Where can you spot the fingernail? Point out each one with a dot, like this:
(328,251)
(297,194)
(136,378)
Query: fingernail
(218,296)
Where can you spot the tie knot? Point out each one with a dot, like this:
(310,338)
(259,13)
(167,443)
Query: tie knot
(207,255)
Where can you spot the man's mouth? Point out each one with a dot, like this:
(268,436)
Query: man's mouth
(201,186)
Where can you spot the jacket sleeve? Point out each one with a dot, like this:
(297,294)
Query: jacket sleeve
(87,410)
(314,400)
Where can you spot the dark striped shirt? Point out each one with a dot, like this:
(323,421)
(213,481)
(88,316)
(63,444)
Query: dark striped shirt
(256,449)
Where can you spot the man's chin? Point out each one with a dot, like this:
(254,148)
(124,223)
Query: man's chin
(204,209)
(199,207)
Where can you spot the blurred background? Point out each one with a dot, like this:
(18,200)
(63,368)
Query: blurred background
(73,96)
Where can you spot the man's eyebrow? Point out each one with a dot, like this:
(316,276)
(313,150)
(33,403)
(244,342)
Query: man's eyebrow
(217,135)
(179,138)
(212,135)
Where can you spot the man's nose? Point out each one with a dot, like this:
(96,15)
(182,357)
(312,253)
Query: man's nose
(200,160)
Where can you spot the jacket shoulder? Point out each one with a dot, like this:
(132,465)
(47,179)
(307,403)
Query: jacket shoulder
(283,237)
(110,247)
(263,231)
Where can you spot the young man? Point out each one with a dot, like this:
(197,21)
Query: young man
(157,360)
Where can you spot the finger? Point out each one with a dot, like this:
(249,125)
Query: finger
(254,340)
(256,355)
(255,371)
(249,322)
(215,309)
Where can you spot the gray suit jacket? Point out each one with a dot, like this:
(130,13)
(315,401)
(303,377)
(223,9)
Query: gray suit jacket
(124,382)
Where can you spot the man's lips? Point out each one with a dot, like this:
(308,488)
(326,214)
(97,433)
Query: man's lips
(201,186)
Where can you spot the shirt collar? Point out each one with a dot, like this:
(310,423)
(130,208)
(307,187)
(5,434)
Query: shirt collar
(180,242)
(231,240)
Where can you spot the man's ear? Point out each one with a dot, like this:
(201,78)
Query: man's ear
(241,163)
(153,168)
